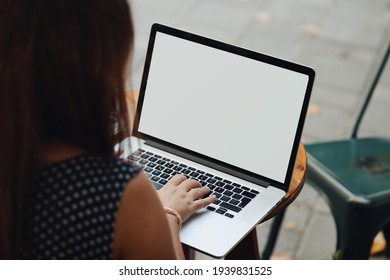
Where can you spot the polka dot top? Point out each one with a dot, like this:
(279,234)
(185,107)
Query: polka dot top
(74,205)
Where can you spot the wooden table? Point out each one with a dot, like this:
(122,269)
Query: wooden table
(248,247)
(296,184)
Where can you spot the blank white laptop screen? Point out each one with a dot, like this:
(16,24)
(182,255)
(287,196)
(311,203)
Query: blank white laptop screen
(234,109)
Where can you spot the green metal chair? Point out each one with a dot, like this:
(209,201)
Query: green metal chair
(354,178)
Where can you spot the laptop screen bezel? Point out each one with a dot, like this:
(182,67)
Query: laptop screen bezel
(203,159)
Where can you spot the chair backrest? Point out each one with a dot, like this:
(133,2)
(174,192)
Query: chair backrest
(370,92)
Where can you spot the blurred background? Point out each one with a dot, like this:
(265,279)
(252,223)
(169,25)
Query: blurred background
(343,40)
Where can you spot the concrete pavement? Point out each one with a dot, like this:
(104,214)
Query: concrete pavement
(343,40)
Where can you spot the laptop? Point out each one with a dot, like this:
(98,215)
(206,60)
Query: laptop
(226,116)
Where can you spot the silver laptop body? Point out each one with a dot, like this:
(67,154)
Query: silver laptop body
(224,111)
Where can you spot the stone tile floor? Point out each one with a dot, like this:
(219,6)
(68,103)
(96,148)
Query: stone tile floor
(343,40)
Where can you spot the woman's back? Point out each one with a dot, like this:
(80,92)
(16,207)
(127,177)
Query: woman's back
(73,207)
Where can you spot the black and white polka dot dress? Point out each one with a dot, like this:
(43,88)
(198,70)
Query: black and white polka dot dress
(74,205)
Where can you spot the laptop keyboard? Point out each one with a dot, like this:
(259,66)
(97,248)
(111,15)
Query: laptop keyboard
(231,197)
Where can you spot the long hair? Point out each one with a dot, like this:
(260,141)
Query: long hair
(62,78)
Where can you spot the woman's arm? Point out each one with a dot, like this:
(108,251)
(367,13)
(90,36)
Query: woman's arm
(184,196)
(143,230)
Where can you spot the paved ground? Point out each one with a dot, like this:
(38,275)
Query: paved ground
(343,40)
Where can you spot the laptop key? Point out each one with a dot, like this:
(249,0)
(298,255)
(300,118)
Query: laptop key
(163,181)
(221,211)
(230,207)
(237,196)
(225,198)
(177,168)
(158,185)
(229,187)
(142,161)
(194,174)
(220,184)
(153,159)
(254,191)
(218,195)
(237,190)
(228,193)
(234,201)
(206,195)
(148,169)
(248,194)
(155,179)
(168,171)
(211,208)
(244,202)
(211,181)
(217,202)
(203,183)
(186,171)
(229,215)
(219,189)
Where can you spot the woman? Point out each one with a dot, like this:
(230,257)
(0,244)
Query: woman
(63,193)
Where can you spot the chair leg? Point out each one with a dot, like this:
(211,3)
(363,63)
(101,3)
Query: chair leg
(273,236)
(386,234)
(359,249)
(354,237)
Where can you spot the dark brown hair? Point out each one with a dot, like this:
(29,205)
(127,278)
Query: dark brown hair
(62,78)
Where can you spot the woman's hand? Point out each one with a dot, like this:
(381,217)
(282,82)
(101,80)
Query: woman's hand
(184,195)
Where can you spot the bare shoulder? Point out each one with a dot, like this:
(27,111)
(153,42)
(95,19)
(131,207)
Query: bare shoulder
(141,228)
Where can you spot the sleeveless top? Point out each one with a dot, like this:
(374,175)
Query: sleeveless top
(73,207)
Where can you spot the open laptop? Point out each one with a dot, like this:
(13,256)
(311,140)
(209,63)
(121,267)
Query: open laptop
(226,116)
